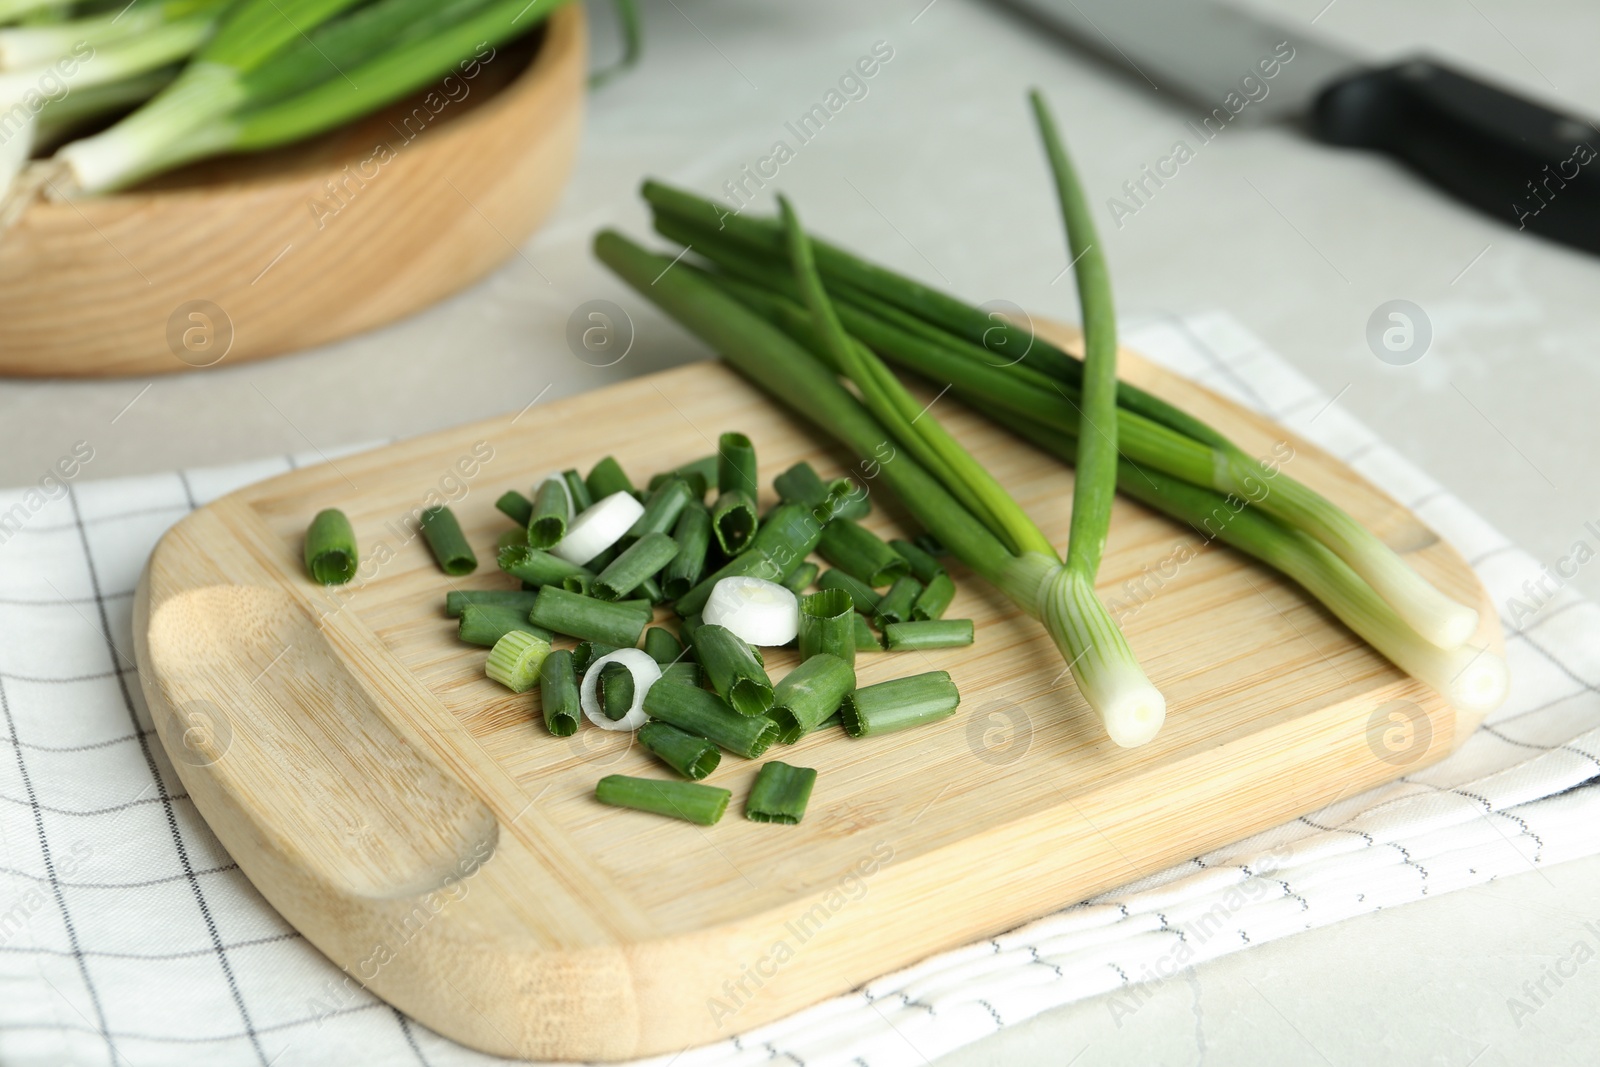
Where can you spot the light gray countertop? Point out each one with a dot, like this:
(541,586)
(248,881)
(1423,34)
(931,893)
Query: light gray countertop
(936,170)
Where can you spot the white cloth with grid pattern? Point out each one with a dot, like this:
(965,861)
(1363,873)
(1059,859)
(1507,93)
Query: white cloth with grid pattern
(127,935)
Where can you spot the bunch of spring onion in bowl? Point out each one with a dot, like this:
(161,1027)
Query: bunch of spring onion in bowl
(667,599)
(804,319)
(198,78)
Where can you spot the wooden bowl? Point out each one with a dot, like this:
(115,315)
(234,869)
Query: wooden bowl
(249,257)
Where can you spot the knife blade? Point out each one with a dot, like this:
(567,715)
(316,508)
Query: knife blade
(1528,164)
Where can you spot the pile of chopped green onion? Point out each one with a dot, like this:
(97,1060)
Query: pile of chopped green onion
(198,78)
(800,318)
(661,599)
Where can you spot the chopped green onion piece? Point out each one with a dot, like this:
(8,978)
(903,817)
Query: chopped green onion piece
(486,624)
(924,568)
(692,533)
(615,690)
(800,484)
(780,794)
(516,507)
(935,599)
(449,544)
(861,553)
(582,499)
(866,640)
(608,477)
(758,611)
(847,500)
(537,567)
(687,625)
(736,464)
(689,801)
(898,704)
(782,543)
(552,510)
(667,502)
(511,540)
(895,606)
(807,695)
(735,673)
(827,625)
(733,518)
(331,548)
(704,470)
(691,756)
(456,600)
(558,693)
(588,652)
(661,646)
(707,715)
(797,580)
(862,596)
(935,633)
(635,565)
(683,672)
(515,659)
(587,619)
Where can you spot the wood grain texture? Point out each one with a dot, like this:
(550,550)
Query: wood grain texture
(304,245)
(417,823)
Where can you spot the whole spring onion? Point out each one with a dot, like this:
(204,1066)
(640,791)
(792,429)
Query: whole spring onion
(690,801)
(331,548)
(910,322)
(760,612)
(644,671)
(1104,666)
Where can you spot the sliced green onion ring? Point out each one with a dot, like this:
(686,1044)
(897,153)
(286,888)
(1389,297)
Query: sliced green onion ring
(645,673)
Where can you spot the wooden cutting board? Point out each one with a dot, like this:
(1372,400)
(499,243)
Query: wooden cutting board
(417,823)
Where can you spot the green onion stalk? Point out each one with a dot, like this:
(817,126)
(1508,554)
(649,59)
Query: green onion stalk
(400,54)
(940,336)
(1103,665)
(22,47)
(790,372)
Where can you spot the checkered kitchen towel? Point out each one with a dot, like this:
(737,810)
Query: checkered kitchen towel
(127,935)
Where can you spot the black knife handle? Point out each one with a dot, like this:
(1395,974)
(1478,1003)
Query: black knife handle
(1524,163)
